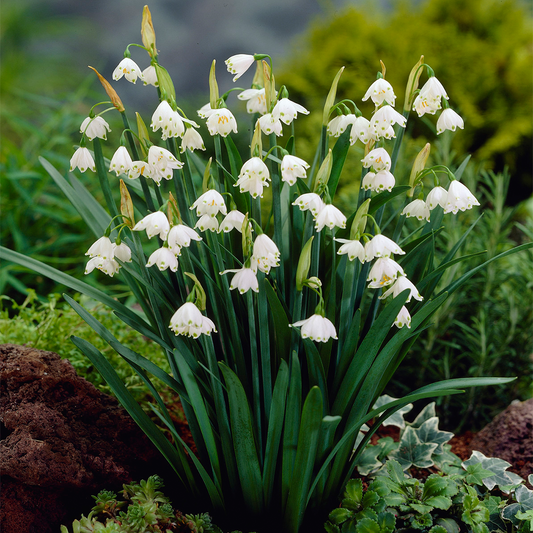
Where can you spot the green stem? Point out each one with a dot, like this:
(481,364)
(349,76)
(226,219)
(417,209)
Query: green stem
(102,176)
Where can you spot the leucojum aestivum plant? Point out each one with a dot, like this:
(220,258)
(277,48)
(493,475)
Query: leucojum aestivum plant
(283,321)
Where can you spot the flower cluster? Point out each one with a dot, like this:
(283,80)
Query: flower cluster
(104,254)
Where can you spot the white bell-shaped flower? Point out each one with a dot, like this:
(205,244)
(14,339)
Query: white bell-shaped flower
(353,248)
(180,236)
(381,246)
(418,209)
(127,68)
(122,251)
(378,181)
(292,168)
(269,124)
(338,125)
(95,127)
(432,90)
(384,272)
(400,285)
(310,202)
(422,106)
(239,64)
(121,162)
(209,203)
(360,130)
(82,159)
(162,163)
(221,122)
(331,217)
(255,100)
(207,222)
(253,177)
(380,91)
(437,196)
(403,318)
(192,140)
(265,253)
(449,120)
(378,159)
(317,327)
(459,198)
(107,266)
(244,279)
(383,119)
(169,121)
(154,224)
(188,320)
(149,76)
(164,258)
(287,110)
(102,248)
(233,220)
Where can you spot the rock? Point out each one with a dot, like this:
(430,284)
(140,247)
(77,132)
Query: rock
(510,437)
(61,441)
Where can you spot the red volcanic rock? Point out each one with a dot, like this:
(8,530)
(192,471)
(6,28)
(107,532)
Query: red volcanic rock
(61,441)
(510,437)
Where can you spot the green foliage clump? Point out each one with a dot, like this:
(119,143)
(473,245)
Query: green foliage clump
(443,503)
(480,50)
(48,326)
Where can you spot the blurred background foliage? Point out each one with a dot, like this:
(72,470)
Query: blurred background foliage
(482,51)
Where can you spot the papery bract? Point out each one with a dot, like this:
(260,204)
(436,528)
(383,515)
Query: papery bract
(95,127)
(317,328)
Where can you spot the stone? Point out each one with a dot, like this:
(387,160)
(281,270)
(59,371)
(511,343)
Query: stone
(61,441)
(510,437)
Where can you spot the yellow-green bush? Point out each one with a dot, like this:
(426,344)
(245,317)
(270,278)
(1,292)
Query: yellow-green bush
(481,50)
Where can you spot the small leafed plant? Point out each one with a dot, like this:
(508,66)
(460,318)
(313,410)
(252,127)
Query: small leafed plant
(277,365)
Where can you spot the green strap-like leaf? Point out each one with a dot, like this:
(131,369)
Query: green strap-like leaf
(305,460)
(244,442)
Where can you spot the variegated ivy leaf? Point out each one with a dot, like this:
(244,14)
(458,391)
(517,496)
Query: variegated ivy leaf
(524,497)
(368,461)
(501,477)
(412,451)
(426,413)
(447,461)
(429,432)
(397,418)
